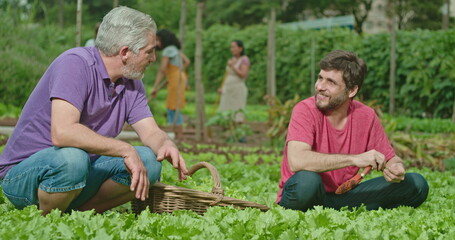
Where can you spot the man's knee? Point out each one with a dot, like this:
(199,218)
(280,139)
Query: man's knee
(74,163)
(309,184)
(151,164)
(303,191)
(418,187)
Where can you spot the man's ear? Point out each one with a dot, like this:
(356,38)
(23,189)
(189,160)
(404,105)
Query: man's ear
(353,91)
(124,53)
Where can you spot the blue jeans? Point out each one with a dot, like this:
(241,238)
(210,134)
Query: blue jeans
(305,189)
(65,169)
(171,116)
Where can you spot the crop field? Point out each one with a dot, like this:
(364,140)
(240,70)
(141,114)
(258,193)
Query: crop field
(409,85)
(250,174)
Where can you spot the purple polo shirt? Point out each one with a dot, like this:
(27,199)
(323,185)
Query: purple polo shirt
(79,77)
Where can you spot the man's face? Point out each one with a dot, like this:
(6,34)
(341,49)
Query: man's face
(331,90)
(137,64)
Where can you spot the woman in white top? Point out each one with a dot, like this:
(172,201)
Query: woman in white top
(234,92)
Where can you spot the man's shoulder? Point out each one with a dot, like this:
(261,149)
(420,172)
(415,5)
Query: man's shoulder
(361,110)
(84,53)
(306,108)
(131,84)
(306,104)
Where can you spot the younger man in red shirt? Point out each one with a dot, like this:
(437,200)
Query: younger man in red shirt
(330,136)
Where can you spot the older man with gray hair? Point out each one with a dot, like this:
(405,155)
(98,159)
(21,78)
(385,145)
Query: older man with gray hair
(63,153)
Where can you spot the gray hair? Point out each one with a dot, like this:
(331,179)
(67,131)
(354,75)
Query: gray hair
(124,26)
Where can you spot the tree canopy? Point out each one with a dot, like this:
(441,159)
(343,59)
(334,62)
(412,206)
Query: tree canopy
(411,14)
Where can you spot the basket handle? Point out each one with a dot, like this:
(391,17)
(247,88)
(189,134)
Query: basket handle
(217,188)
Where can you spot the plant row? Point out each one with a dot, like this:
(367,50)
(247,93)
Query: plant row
(432,220)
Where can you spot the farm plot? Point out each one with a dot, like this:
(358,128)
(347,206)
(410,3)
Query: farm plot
(244,176)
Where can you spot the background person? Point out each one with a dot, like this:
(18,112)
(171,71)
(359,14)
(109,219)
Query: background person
(91,41)
(233,91)
(330,136)
(63,153)
(173,66)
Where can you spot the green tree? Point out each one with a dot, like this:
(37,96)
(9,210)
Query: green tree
(241,13)
(166,13)
(426,15)
(358,8)
(414,14)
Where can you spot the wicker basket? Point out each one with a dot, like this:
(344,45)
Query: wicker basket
(166,198)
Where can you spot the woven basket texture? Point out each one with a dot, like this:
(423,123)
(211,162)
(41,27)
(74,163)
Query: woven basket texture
(167,198)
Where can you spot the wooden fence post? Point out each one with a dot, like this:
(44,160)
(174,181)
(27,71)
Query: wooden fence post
(182,24)
(313,65)
(271,78)
(445,14)
(453,113)
(61,13)
(201,133)
(393,43)
(78,23)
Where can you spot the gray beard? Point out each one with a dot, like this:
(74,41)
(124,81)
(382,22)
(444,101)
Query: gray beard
(130,73)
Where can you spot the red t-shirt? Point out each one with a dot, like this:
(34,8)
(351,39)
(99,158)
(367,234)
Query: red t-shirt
(363,132)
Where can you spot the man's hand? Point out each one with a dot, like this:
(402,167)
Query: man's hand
(371,158)
(172,154)
(155,138)
(139,178)
(394,171)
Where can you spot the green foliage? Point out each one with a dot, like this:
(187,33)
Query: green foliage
(432,220)
(279,117)
(426,15)
(425,64)
(240,13)
(9,111)
(425,73)
(233,131)
(449,163)
(408,124)
(293,70)
(255,112)
(247,181)
(26,55)
(158,107)
(424,142)
(166,13)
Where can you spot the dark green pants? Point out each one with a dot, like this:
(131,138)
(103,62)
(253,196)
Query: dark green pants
(305,189)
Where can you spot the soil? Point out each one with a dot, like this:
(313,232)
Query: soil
(216,135)
(10,122)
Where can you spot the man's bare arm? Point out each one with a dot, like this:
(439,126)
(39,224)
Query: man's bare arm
(301,157)
(155,138)
(67,131)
